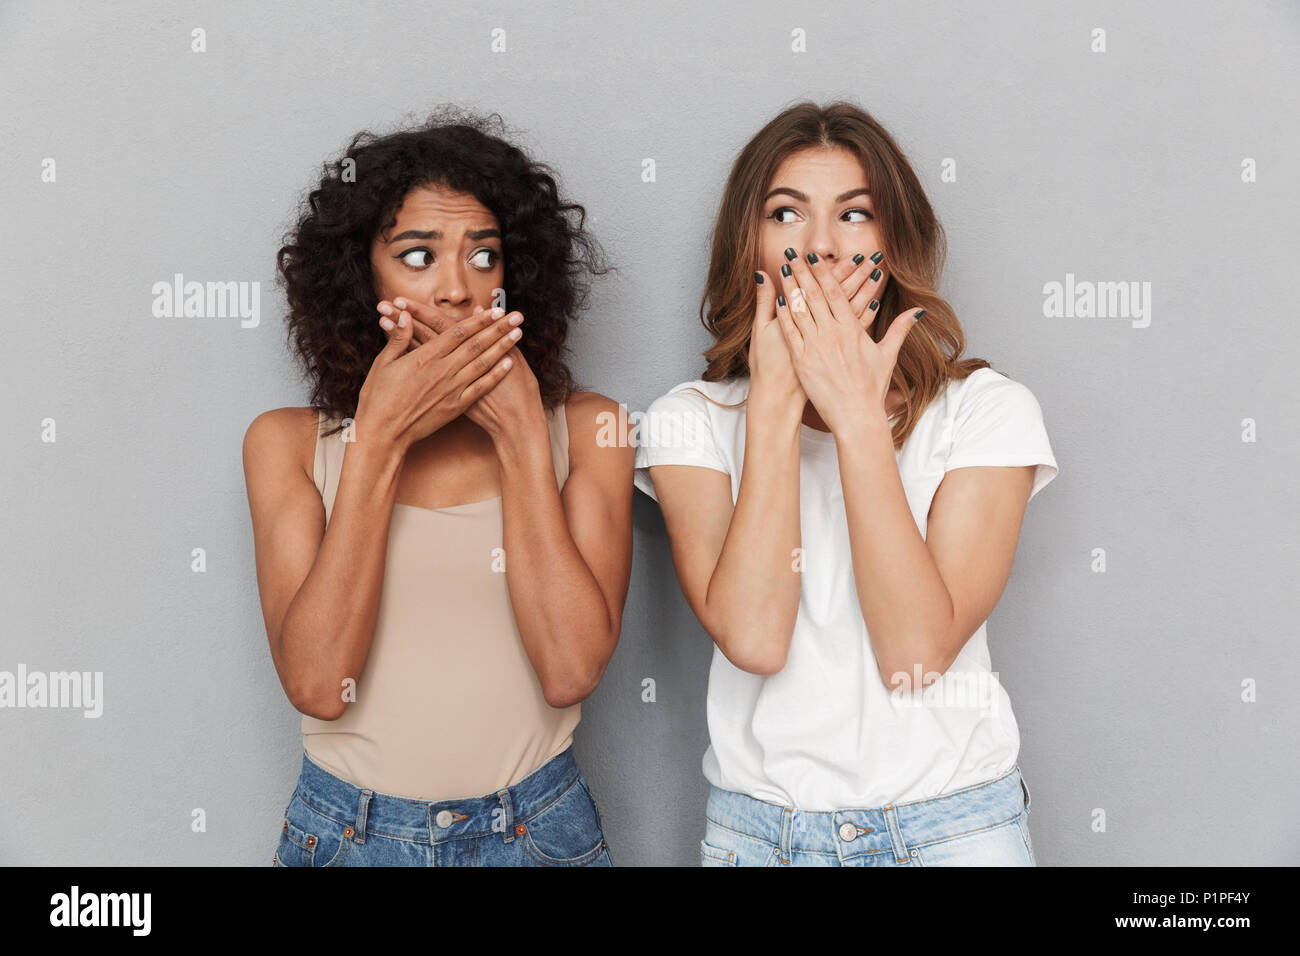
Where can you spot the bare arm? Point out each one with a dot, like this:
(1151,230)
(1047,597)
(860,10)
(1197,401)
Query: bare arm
(319,586)
(922,598)
(737,567)
(568,556)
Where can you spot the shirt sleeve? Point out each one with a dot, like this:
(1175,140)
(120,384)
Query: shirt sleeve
(677,429)
(1001,423)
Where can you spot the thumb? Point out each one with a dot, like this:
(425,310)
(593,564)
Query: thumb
(892,341)
(399,336)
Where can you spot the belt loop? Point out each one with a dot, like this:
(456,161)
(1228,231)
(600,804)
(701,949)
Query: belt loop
(504,797)
(896,835)
(363,809)
(1025,787)
(787,828)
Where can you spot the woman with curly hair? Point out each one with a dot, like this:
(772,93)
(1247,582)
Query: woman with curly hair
(416,525)
(843,493)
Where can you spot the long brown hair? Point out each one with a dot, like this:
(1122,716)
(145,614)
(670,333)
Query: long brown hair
(910,235)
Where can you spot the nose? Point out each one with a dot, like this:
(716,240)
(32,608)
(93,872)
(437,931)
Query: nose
(823,242)
(450,285)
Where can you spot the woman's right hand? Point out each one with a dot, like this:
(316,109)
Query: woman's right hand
(408,395)
(772,379)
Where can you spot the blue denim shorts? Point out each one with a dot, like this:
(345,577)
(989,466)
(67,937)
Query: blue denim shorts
(547,819)
(986,824)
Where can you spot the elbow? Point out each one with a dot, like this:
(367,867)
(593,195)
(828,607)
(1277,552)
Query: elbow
(574,684)
(764,655)
(904,677)
(317,702)
(317,709)
(561,693)
(764,664)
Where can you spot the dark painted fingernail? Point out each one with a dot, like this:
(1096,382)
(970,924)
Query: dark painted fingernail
(812,258)
(857,260)
(875,304)
(921,313)
(780,300)
(790,254)
(758,277)
(785,271)
(875,274)
(877,257)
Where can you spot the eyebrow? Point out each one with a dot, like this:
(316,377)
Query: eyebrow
(842,197)
(435,234)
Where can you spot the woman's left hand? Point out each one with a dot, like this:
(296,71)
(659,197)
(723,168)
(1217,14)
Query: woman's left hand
(515,404)
(844,372)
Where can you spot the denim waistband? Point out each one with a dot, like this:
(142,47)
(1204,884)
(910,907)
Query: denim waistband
(855,831)
(423,821)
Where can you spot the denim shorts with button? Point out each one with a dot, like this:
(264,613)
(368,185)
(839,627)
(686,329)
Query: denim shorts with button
(547,819)
(986,824)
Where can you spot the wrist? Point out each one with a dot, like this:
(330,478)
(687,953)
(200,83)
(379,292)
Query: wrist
(379,460)
(377,440)
(858,425)
(782,412)
(521,438)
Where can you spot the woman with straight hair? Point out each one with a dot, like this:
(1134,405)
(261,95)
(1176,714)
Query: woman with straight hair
(414,524)
(843,494)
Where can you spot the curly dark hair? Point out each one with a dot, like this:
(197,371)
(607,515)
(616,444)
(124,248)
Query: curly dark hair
(548,256)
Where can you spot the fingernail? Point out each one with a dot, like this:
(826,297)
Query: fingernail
(400,303)
(875,274)
(516,318)
(780,299)
(921,313)
(812,258)
(403,319)
(876,257)
(790,254)
(515,334)
(498,312)
(857,260)
(385,308)
(387,324)
(874,304)
(758,278)
(785,271)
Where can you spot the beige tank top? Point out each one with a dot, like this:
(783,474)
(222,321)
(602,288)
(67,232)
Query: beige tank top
(448,704)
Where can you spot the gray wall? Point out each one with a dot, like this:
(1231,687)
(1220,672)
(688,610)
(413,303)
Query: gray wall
(1117,166)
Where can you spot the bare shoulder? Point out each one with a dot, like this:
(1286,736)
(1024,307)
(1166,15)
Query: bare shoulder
(280,437)
(599,429)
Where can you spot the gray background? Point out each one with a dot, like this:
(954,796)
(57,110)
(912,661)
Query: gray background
(1122,166)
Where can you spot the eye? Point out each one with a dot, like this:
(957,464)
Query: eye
(775,214)
(485,258)
(412,258)
(860,212)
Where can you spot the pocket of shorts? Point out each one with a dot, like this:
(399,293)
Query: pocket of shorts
(711,855)
(310,838)
(566,833)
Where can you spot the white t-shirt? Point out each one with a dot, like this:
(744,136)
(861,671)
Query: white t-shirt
(825,733)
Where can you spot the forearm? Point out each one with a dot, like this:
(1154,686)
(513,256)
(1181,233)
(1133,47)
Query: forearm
(566,625)
(753,593)
(329,625)
(905,603)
